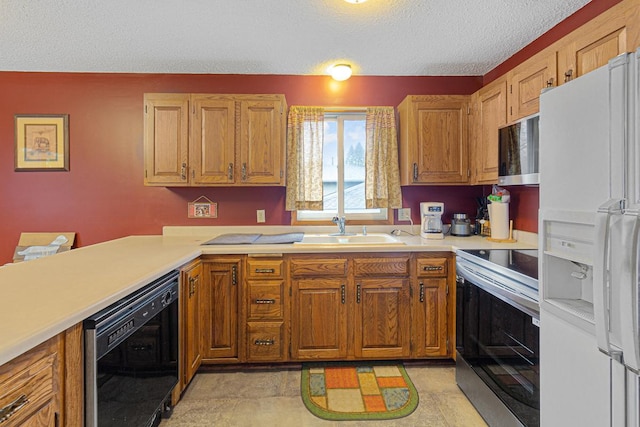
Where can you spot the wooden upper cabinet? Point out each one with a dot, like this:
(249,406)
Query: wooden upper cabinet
(434,137)
(592,45)
(214,140)
(212,136)
(526,83)
(490,113)
(261,144)
(166,138)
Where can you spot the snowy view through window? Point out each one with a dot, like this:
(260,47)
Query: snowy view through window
(343,170)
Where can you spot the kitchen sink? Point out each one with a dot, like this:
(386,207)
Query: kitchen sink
(346,239)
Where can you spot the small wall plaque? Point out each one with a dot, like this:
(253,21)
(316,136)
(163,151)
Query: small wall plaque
(202,207)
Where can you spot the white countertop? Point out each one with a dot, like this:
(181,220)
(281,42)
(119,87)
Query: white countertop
(44,297)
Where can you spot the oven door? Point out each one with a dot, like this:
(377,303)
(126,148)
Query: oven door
(498,344)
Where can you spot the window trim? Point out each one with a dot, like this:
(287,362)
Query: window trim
(354,218)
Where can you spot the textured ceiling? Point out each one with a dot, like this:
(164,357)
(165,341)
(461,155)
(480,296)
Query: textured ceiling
(301,37)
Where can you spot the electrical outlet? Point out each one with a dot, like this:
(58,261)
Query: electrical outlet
(404,214)
(260,215)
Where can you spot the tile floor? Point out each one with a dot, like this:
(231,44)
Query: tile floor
(271,397)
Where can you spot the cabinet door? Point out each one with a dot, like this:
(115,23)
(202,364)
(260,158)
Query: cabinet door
(490,115)
(219,309)
(595,43)
(431,327)
(434,140)
(525,86)
(192,281)
(261,141)
(166,134)
(319,321)
(382,321)
(212,140)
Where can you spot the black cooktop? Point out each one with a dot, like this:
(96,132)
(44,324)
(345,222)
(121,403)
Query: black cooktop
(523,261)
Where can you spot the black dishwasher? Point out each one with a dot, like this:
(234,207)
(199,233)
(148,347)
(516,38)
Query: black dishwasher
(131,357)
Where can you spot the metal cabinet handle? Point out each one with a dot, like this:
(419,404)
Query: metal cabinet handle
(358,293)
(183,172)
(342,293)
(568,75)
(421,292)
(265,301)
(415,171)
(244,171)
(13,407)
(265,342)
(265,270)
(234,275)
(550,82)
(432,268)
(193,283)
(230,171)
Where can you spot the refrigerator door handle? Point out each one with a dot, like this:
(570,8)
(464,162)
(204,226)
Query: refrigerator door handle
(601,269)
(629,302)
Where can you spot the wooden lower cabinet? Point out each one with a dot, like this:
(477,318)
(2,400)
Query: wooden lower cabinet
(319,318)
(318,306)
(382,323)
(266,309)
(219,299)
(434,307)
(371,306)
(192,282)
(296,307)
(44,387)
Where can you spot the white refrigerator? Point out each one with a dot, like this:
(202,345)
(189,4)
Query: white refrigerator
(588,248)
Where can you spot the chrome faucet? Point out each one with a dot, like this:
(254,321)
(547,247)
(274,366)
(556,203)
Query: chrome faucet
(340,222)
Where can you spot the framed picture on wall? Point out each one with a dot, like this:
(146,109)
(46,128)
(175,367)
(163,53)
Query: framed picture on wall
(42,142)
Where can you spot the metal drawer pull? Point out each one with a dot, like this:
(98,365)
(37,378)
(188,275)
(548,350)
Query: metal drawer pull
(265,301)
(432,268)
(265,342)
(265,270)
(421,292)
(13,407)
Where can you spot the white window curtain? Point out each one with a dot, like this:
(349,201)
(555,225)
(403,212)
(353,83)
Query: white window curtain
(382,182)
(305,135)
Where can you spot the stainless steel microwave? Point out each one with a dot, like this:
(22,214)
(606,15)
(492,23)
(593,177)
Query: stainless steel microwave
(518,146)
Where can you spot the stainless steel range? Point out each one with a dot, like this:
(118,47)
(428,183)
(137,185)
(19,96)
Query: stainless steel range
(497,334)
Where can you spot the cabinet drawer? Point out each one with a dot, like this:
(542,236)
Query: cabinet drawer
(381,266)
(28,390)
(432,267)
(318,267)
(264,341)
(257,268)
(265,300)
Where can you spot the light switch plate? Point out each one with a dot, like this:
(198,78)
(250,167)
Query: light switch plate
(404,214)
(260,215)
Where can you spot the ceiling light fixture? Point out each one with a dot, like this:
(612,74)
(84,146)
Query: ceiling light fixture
(355,1)
(341,72)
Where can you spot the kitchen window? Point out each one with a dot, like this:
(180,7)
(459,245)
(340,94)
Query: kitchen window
(344,171)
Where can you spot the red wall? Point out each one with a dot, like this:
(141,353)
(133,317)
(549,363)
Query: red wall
(102,197)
